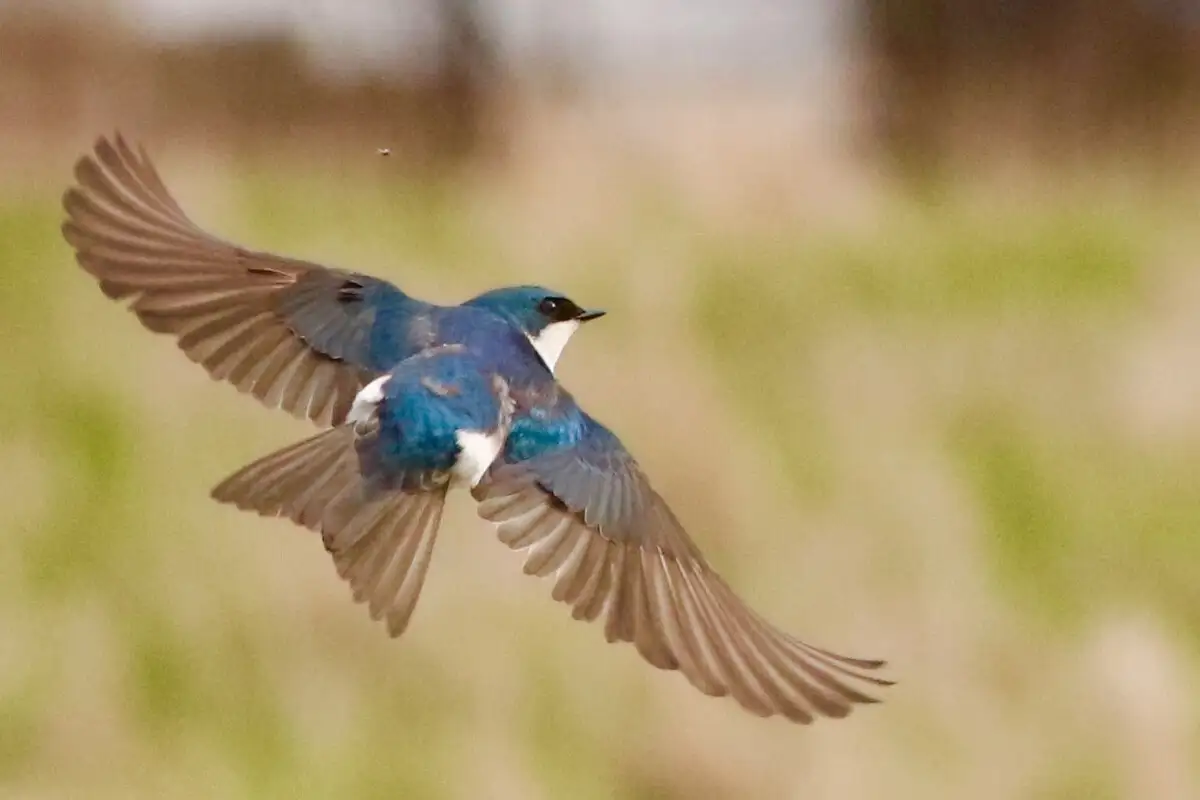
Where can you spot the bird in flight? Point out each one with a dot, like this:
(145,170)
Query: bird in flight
(422,399)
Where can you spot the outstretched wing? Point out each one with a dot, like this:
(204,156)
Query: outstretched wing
(584,513)
(292,333)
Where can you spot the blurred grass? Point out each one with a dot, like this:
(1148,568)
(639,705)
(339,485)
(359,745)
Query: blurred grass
(922,432)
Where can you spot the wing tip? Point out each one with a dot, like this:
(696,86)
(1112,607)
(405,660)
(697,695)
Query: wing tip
(109,151)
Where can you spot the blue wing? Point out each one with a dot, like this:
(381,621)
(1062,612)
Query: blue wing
(568,494)
(292,333)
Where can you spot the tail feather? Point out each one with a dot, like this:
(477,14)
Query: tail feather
(381,541)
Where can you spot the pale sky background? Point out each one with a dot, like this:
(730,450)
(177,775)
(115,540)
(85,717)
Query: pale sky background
(609,40)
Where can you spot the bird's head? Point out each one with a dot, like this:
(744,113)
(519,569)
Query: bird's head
(547,317)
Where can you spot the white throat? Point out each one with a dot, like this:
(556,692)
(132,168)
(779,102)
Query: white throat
(552,339)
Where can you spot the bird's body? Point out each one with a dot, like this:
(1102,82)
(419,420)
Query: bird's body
(441,415)
(450,408)
(422,399)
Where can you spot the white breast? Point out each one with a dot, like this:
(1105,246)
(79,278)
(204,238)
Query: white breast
(552,339)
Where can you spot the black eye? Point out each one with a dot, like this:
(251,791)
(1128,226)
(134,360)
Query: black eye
(558,309)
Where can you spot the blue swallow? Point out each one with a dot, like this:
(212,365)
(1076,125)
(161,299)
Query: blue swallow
(294,334)
(431,398)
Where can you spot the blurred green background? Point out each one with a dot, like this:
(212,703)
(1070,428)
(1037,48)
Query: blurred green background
(905,324)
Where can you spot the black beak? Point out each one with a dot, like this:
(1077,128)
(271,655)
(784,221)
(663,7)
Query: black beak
(591,313)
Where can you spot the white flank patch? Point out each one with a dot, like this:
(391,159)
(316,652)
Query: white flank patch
(477,452)
(553,338)
(367,400)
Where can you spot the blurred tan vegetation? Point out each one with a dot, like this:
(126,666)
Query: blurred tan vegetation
(1050,80)
(951,422)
